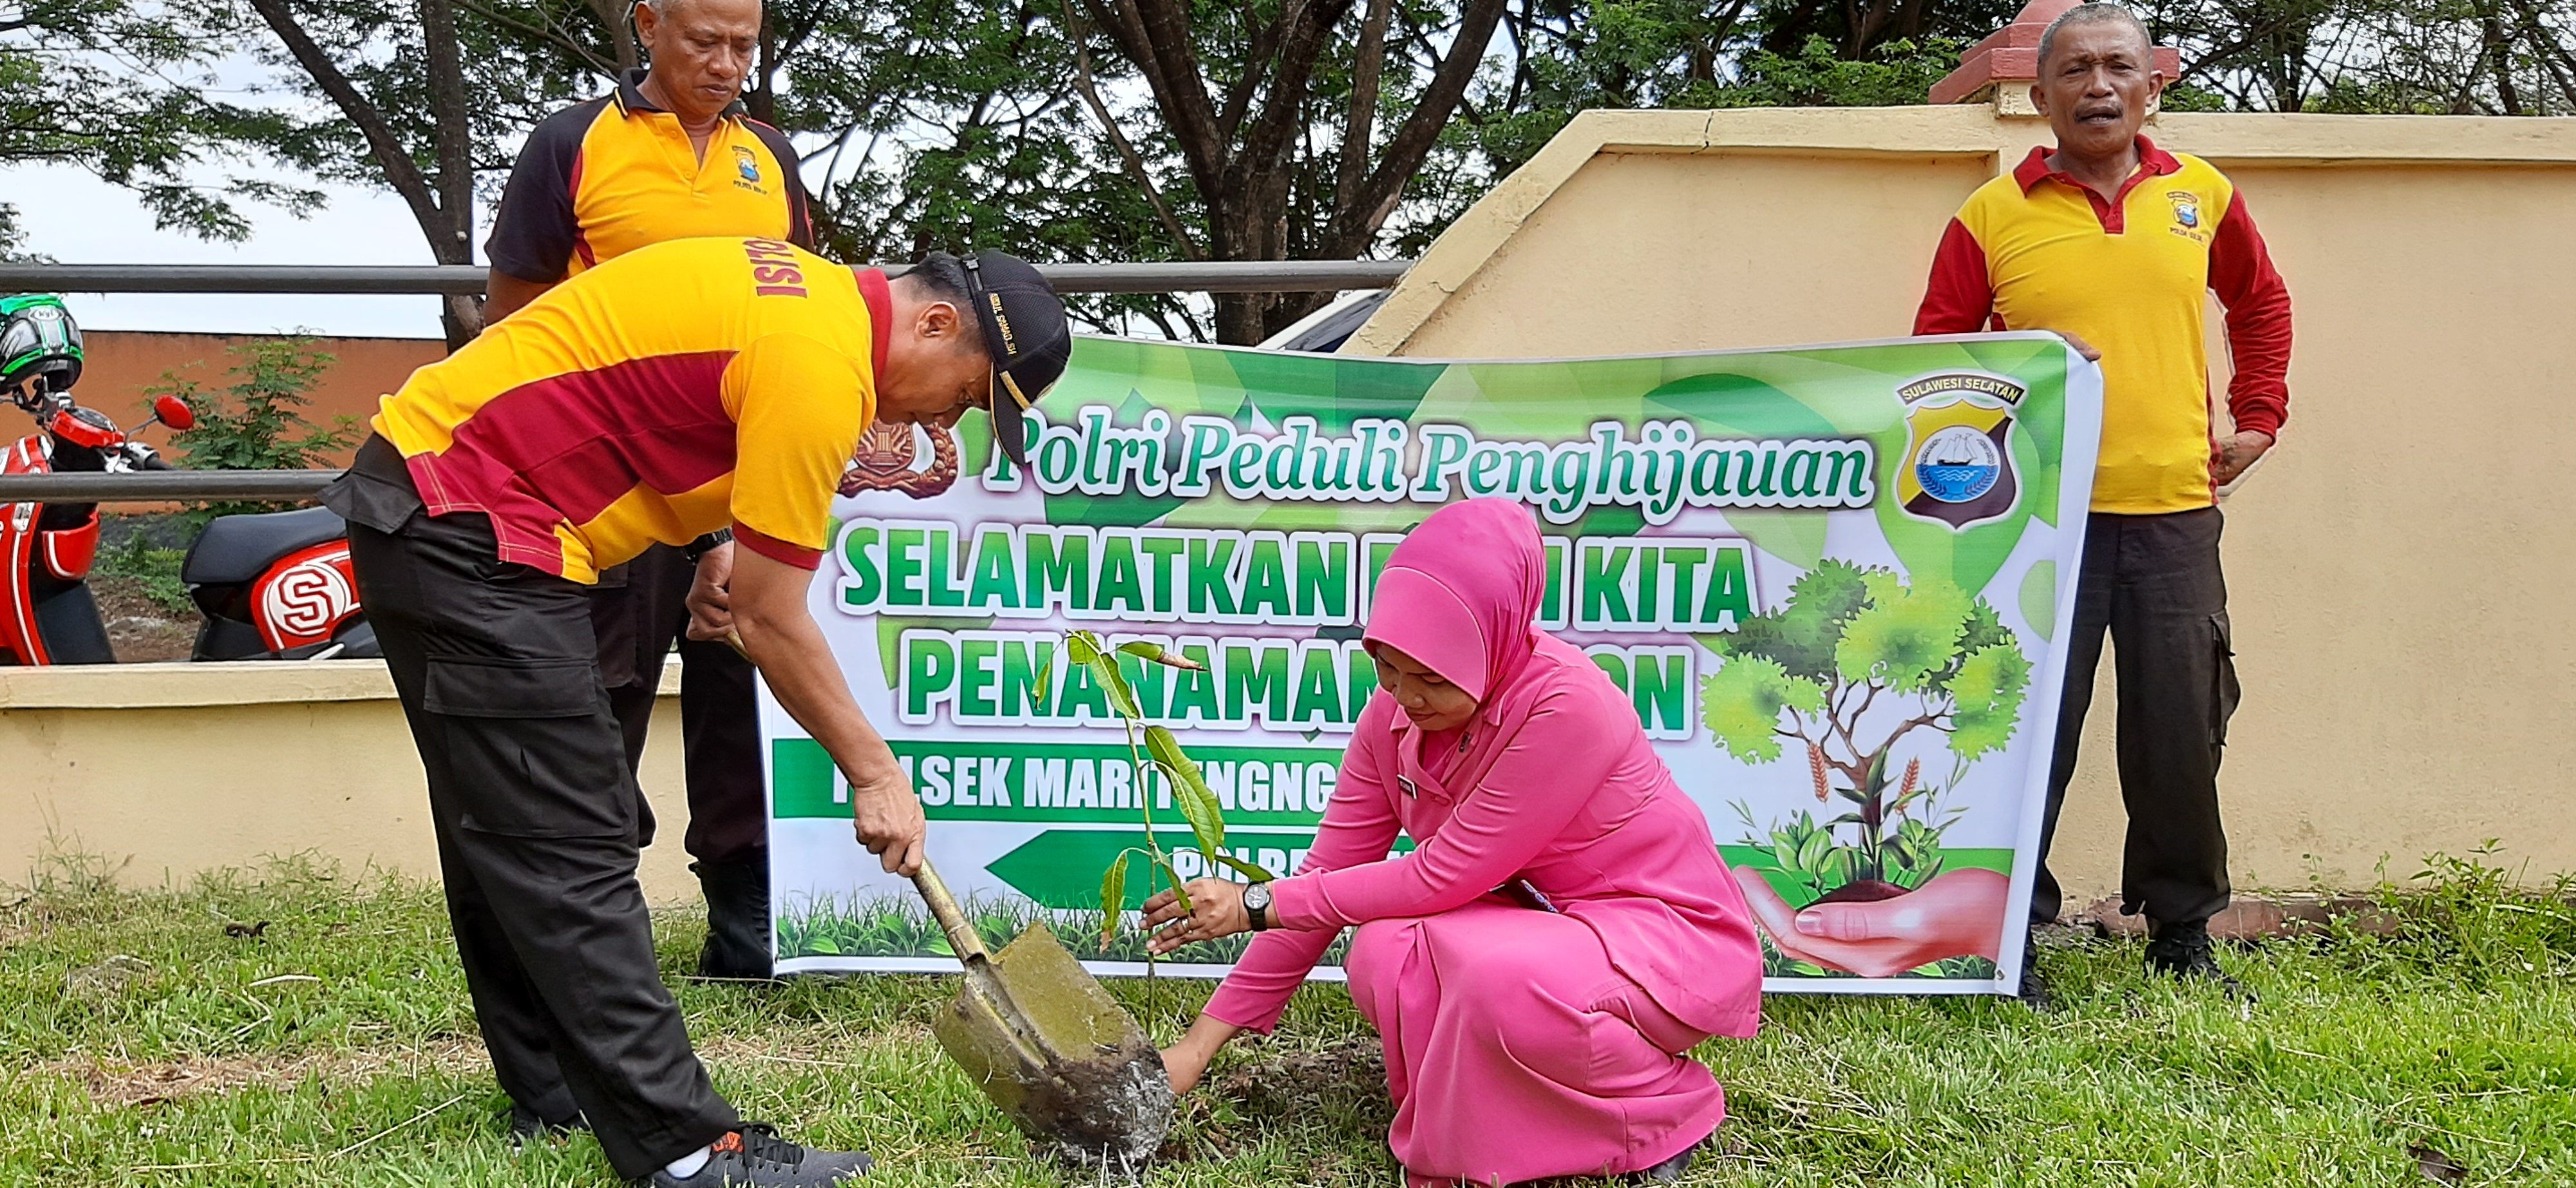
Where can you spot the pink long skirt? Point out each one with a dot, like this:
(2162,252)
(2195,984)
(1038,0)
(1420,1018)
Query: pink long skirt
(1514,1051)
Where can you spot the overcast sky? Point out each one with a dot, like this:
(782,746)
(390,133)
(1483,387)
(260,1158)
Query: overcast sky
(77,219)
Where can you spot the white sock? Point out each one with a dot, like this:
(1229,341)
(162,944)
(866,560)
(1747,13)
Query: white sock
(689,1165)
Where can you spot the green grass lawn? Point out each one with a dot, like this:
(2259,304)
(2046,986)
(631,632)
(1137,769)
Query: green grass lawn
(153,1039)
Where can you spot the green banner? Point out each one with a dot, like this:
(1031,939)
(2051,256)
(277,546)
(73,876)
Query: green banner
(1828,580)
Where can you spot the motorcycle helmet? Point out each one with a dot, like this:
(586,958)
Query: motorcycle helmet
(38,339)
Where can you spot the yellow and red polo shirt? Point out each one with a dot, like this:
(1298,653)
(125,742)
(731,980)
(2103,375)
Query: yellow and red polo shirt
(658,397)
(2038,250)
(600,179)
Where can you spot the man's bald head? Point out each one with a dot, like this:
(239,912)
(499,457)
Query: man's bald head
(2083,15)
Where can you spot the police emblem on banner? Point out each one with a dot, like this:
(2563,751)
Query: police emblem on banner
(1958,458)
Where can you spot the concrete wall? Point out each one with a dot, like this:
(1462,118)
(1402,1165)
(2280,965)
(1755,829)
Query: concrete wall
(122,364)
(2400,567)
(173,769)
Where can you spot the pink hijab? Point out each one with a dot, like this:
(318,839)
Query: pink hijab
(1459,595)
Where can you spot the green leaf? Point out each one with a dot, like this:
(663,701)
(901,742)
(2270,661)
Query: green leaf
(1081,647)
(1106,673)
(824,946)
(1155,653)
(1113,898)
(1989,690)
(1198,804)
(1741,705)
(1905,635)
(1811,856)
(1246,869)
(1180,894)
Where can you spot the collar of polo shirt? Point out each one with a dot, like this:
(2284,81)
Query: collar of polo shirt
(630,97)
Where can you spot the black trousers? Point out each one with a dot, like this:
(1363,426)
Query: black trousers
(637,610)
(2154,583)
(538,819)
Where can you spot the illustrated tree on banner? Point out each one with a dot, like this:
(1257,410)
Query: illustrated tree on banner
(1856,663)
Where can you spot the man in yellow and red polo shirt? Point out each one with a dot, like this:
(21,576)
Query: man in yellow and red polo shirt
(675,390)
(669,154)
(2116,243)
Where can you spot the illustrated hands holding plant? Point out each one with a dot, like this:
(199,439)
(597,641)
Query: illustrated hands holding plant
(1857,661)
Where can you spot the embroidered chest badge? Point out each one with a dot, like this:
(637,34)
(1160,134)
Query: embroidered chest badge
(2186,208)
(746,164)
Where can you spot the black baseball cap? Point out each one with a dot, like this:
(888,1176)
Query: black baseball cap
(1025,330)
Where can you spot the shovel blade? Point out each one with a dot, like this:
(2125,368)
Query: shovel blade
(1059,1057)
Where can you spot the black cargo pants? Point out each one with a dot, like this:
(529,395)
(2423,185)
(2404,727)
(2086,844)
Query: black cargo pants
(2154,583)
(638,610)
(538,819)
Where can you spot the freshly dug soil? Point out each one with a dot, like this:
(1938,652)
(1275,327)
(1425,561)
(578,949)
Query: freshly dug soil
(1863,891)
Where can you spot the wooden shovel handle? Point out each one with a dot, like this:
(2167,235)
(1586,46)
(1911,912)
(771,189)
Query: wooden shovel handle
(952,919)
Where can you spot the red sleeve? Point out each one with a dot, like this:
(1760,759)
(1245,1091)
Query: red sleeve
(1959,299)
(775,549)
(1359,827)
(2258,321)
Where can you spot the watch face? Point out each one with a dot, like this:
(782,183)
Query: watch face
(1257,896)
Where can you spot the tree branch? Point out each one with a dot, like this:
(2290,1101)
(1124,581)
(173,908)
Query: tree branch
(1155,35)
(401,172)
(1127,154)
(1358,222)
(1368,63)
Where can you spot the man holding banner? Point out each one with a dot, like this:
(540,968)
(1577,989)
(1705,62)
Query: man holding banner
(2112,239)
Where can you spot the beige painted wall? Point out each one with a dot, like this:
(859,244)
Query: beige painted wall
(173,769)
(2400,568)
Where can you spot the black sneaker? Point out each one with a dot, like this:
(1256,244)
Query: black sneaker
(2034,992)
(526,1126)
(2183,951)
(755,1157)
(1668,1172)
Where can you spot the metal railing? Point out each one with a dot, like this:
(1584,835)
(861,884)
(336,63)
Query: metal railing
(1259,276)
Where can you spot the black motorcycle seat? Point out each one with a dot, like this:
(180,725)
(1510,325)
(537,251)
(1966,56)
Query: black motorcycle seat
(235,549)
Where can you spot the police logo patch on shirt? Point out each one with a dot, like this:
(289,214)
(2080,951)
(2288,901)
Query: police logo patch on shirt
(2186,208)
(747,164)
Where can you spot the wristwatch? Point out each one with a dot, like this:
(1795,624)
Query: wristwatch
(1256,904)
(707,544)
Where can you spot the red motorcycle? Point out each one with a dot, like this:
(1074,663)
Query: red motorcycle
(272,587)
(47,615)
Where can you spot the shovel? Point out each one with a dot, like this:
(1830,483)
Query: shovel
(1051,1049)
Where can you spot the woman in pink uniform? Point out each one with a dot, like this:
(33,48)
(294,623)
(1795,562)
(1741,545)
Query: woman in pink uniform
(1563,931)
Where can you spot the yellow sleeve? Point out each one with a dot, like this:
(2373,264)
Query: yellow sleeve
(799,407)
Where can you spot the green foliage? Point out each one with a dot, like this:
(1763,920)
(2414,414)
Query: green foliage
(1742,703)
(255,422)
(1818,74)
(1903,635)
(2363,1047)
(1152,747)
(114,87)
(1857,660)
(154,570)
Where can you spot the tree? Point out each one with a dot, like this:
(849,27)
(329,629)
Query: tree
(1853,664)
(1275,177)
(110,86)
(385,65)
